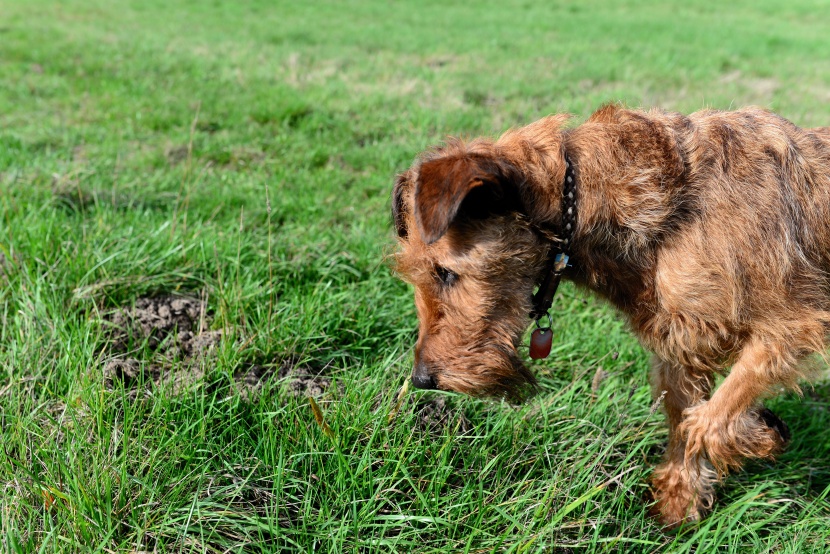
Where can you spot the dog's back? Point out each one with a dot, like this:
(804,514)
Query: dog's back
(735,245)
(762,186)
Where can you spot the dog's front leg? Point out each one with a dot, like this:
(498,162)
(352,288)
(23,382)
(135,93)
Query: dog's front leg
(683,492)
(732,425)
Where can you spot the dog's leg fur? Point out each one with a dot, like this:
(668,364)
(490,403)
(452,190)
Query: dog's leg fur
(682,492)
(710,436)
(731,426)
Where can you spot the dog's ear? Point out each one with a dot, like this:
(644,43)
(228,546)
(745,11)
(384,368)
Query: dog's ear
(446,184)
(402,183)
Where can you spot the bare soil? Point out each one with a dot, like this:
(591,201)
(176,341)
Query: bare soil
(173,329)
(436,414)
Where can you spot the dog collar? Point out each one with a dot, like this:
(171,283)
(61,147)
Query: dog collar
(542,338)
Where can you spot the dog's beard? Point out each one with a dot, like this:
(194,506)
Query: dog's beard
(497,372)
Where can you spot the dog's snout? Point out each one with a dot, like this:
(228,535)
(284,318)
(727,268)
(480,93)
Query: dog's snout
(421,378)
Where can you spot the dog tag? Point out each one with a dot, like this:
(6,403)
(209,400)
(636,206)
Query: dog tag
(540,342)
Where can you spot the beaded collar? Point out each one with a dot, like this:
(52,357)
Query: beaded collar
(541,338)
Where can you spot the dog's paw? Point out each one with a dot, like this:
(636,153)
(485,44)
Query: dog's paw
(711,436)
(765,435)
(704,432)
(682,495)
(672,512)
(725,442)
(776,424)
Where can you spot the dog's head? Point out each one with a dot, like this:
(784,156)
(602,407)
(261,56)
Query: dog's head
(469,248)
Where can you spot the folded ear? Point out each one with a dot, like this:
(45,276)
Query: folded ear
(445,183)
(402,183)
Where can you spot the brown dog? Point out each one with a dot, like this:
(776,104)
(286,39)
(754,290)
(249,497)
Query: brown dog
(711,233)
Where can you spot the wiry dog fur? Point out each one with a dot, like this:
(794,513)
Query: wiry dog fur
(709,232)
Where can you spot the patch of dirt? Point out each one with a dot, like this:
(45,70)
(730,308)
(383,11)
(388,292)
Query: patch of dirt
(297,379)
(433,414)
(176,154)
(303,380)
(141,377)
(436,414)
(156,321)
(173,328)
(437,62)
(70,196)
(250,380)
(4,263)
(7,265)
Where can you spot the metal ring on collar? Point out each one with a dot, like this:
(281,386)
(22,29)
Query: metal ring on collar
(550,321)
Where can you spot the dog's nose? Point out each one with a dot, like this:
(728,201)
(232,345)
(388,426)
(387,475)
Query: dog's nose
(421,378)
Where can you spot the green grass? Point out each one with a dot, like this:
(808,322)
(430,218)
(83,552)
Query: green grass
(244,153)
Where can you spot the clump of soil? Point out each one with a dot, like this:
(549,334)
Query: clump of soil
(6,264)
(436,414)
(303,380)
(433,414)
(172,328)
(177,154)
(297,379)
(169,326)
(141,377)
(250,380)
(156,321)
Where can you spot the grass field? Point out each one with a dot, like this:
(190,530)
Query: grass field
(239,157)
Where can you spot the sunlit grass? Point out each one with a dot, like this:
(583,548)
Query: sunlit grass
(243,153)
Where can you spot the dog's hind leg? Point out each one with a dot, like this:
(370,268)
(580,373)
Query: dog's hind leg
(682,492)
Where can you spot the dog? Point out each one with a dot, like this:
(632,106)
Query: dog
(710,233)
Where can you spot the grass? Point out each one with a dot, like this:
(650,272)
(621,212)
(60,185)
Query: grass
(243,153)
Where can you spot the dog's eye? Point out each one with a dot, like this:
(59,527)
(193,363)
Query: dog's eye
(445,276)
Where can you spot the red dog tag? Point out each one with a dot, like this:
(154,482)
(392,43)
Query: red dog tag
(540,342)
